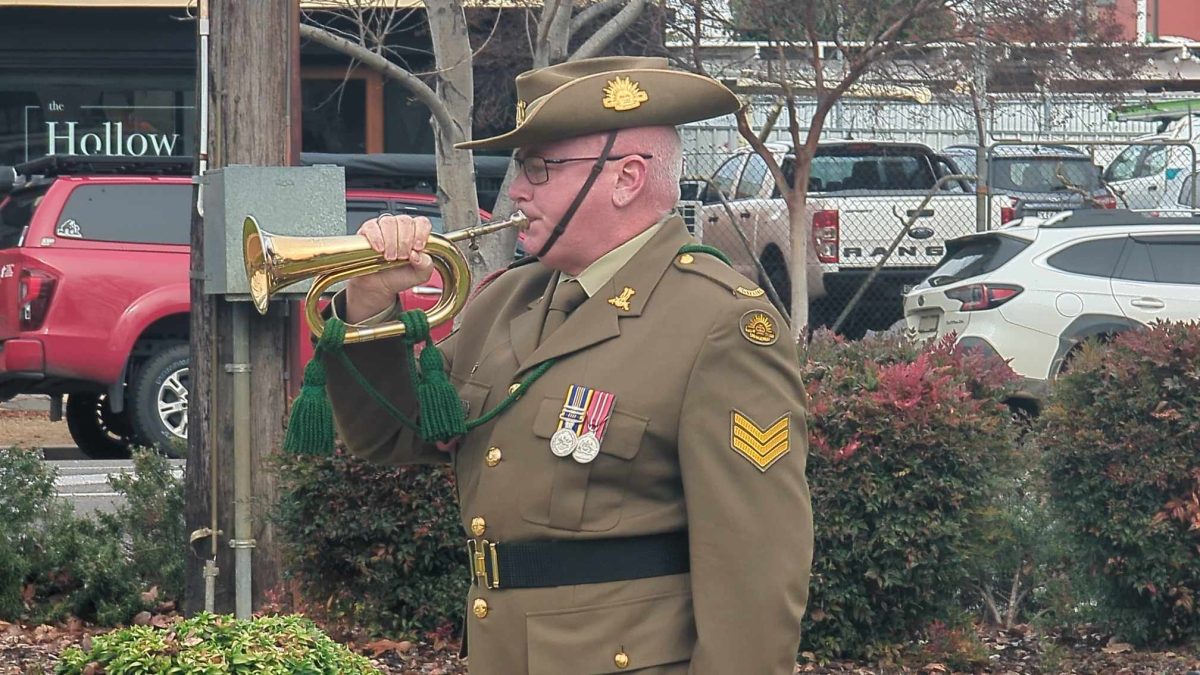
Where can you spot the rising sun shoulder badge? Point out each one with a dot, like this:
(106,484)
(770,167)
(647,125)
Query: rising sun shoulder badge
(623,94)
(759,328)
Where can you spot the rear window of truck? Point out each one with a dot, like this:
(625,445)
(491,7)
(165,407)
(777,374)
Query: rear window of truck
(146,214)
(863,166)
(16,211)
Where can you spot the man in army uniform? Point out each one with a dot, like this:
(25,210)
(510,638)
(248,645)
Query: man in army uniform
(641,505)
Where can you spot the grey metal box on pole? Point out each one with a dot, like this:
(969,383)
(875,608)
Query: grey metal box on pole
(307,201)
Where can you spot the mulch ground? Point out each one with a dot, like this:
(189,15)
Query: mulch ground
(33,650)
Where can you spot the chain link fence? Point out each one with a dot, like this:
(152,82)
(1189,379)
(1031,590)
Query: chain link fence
(880,214)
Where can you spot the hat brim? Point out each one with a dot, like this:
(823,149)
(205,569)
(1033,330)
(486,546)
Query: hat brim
(674,97)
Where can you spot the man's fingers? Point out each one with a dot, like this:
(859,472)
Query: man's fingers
(424,228)
(372,232)
(405,234)
(390,225)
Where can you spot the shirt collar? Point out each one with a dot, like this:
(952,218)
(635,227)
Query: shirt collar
(599,273)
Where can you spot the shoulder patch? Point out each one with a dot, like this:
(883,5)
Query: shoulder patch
(723,275)
(761,446)
(759,328)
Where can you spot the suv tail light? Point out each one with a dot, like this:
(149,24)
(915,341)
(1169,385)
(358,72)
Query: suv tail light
(36,289)
(983,296)
(1106,201)
(827,235)
(1007,213)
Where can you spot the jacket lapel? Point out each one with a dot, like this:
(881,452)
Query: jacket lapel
(526,327)
(597,319)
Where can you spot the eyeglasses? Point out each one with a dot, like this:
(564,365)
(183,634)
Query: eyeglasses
(537,169)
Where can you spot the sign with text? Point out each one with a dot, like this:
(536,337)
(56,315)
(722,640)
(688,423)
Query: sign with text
(55,127)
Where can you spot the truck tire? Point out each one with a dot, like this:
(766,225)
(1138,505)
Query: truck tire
(99,433)
(159,401)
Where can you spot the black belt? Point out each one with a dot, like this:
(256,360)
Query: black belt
(539,564)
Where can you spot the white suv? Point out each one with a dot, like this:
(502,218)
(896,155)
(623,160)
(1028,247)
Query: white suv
(1033,291)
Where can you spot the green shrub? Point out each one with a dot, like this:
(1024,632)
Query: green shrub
(908,451)
(26,496)
(150,521)
(380,546)
(54,563)
(1121,445)
(206,643)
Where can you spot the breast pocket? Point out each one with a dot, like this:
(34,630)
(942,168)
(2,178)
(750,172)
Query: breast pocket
(577,496)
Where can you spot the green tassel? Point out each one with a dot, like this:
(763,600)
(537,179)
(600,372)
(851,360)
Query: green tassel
(442,417)
(310,428)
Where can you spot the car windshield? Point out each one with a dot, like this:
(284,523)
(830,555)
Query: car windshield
(1044,174)
(975,256)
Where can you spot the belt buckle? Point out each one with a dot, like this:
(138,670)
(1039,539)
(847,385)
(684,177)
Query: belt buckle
(479,552)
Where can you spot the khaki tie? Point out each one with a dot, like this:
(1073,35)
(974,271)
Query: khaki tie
(567,296)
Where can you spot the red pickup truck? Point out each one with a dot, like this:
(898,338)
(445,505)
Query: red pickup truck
(94,299)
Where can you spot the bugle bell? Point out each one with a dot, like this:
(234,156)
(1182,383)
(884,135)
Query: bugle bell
(276,261)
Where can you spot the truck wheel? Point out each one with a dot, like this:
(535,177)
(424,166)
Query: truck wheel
(159,401)
(99,433)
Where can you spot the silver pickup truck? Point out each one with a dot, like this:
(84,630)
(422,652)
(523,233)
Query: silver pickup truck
(860,195)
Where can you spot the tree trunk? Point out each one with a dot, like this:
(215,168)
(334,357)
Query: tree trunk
(456,168)
(249,109)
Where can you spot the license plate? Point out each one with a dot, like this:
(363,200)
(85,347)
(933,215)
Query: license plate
(927,324)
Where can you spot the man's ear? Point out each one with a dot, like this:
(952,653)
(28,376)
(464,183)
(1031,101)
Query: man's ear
(630,181)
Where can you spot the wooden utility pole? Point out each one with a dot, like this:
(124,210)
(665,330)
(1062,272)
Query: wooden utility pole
(252,52)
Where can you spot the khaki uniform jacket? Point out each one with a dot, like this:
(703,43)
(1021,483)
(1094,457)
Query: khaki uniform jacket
(682,369)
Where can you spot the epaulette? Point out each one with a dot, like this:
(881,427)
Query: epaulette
(487,281)
(713,268)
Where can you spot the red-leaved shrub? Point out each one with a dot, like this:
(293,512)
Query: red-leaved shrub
(907,447)
(1121,445)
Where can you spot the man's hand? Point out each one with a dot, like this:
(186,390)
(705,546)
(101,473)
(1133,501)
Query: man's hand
(397,238)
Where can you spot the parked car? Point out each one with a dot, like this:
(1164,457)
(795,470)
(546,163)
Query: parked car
(1032,292)
(860,193)
(94,293)
(1145,174)
(1037,180)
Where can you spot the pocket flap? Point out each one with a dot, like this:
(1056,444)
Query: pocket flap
(622,437)
(650,631)
(474,397)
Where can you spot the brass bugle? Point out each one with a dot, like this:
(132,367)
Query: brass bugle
(276,261)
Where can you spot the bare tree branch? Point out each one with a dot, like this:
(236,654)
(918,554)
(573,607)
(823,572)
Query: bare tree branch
(421,91)
(610,31)
(591,12)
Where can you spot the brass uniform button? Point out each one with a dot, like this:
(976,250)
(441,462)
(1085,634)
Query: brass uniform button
(514,388)
(685,259)
(480,608)
(493,456)
(621,660)
(478,526)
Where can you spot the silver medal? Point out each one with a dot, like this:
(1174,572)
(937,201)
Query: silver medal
(562,443)
(586,448)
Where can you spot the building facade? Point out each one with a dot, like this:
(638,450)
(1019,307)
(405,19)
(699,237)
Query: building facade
(1162,18)
(118,78)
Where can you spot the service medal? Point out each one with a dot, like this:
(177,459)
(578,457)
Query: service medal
(599,409)
(562,443)
(586,448)
(570,419)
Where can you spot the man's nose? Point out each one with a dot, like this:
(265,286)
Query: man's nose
(520,190)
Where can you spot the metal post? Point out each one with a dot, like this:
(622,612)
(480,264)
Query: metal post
(242,541)
(983,209)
